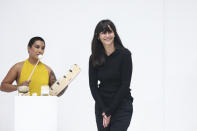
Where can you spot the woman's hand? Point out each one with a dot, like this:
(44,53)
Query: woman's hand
(25,83)
(24,87)
(62,92)
(106,120)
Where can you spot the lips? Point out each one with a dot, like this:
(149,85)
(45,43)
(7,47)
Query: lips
(108,39)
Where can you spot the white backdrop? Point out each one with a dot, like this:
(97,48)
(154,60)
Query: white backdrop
(161,35)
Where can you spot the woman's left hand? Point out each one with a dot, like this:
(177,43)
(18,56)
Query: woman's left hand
(62,92)
(106,120)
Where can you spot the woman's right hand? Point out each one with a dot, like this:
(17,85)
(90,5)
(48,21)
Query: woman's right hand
(24,87)
(25,83)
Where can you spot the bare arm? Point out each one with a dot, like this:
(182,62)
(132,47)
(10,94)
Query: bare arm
(52,78)
(6,84)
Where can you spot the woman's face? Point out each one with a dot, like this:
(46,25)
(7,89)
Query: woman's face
(107,38)
(36,49)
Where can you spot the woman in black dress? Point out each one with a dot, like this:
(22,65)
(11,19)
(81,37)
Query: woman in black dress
(110,69)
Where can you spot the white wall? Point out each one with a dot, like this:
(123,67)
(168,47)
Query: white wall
(180,65)
(151,29)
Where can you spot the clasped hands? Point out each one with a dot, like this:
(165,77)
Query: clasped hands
(106,120)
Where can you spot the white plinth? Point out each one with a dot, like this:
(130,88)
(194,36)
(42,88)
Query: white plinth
(35,113)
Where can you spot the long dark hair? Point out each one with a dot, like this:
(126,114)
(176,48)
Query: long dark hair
(98,51)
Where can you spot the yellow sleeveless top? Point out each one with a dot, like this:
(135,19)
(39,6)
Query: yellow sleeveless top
(40,76)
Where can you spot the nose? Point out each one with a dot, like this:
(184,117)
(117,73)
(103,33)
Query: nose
(41,51)
(107,34)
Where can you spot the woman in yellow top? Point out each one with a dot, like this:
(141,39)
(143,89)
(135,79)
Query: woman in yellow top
(43,75)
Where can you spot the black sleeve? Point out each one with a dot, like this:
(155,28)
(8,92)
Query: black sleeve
(94,86)
(126,72)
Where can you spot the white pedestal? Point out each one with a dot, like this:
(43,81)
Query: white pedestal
(35,113)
